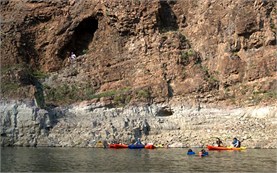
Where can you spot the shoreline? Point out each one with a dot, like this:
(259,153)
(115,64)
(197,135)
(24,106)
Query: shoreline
(177,125)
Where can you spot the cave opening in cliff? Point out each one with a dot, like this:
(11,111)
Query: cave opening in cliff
(81,38)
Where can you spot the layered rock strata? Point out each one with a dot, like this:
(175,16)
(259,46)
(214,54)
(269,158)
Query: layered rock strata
(178,125)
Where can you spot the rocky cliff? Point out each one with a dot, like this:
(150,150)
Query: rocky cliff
(139,53)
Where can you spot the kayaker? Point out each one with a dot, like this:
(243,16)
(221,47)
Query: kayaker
(138,141)
(190,152)
(203,153)
(236,143)
(219,143)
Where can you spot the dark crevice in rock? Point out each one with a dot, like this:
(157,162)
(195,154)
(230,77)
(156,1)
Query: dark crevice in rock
(169,88)
(39,96)
(165,111)
(146,127)
(167,20)
(245,34)
(272,42)
(3,134)
(15,112)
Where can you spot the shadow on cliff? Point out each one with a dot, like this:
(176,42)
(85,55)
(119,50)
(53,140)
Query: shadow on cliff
(167,20)
(27,51)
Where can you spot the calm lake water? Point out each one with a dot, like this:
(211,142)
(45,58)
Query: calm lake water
(126,160)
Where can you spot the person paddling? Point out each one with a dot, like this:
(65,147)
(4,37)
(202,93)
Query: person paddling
(138,142)
(203,153)
(219,143)
(236,143)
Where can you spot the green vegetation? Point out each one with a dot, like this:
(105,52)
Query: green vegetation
(39,74)
(122,99)
(205,69)
(208,76)
(143,94)
(5,69)
(270,94)
(16,77)
(68,93)
(258,96)
(84,51)
(213,79)
(9,86)
(191,52)
(105,94)
(71,93)
(34,73)
(185,56)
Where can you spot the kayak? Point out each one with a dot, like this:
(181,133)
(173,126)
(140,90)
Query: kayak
(99,144)
(135,146)
(191,153)
(149,146)
(159,146)
(118,146)
(210,147)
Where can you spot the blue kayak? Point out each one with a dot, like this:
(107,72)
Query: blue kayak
(205,154)
(135,146)
(190,153)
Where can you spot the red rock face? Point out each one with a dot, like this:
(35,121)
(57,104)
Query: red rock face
(151,51)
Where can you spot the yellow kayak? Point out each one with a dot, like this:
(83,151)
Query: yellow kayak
(159,146)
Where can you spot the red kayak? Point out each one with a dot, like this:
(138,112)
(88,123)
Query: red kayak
(210,147)
(149,146)
(118,146)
